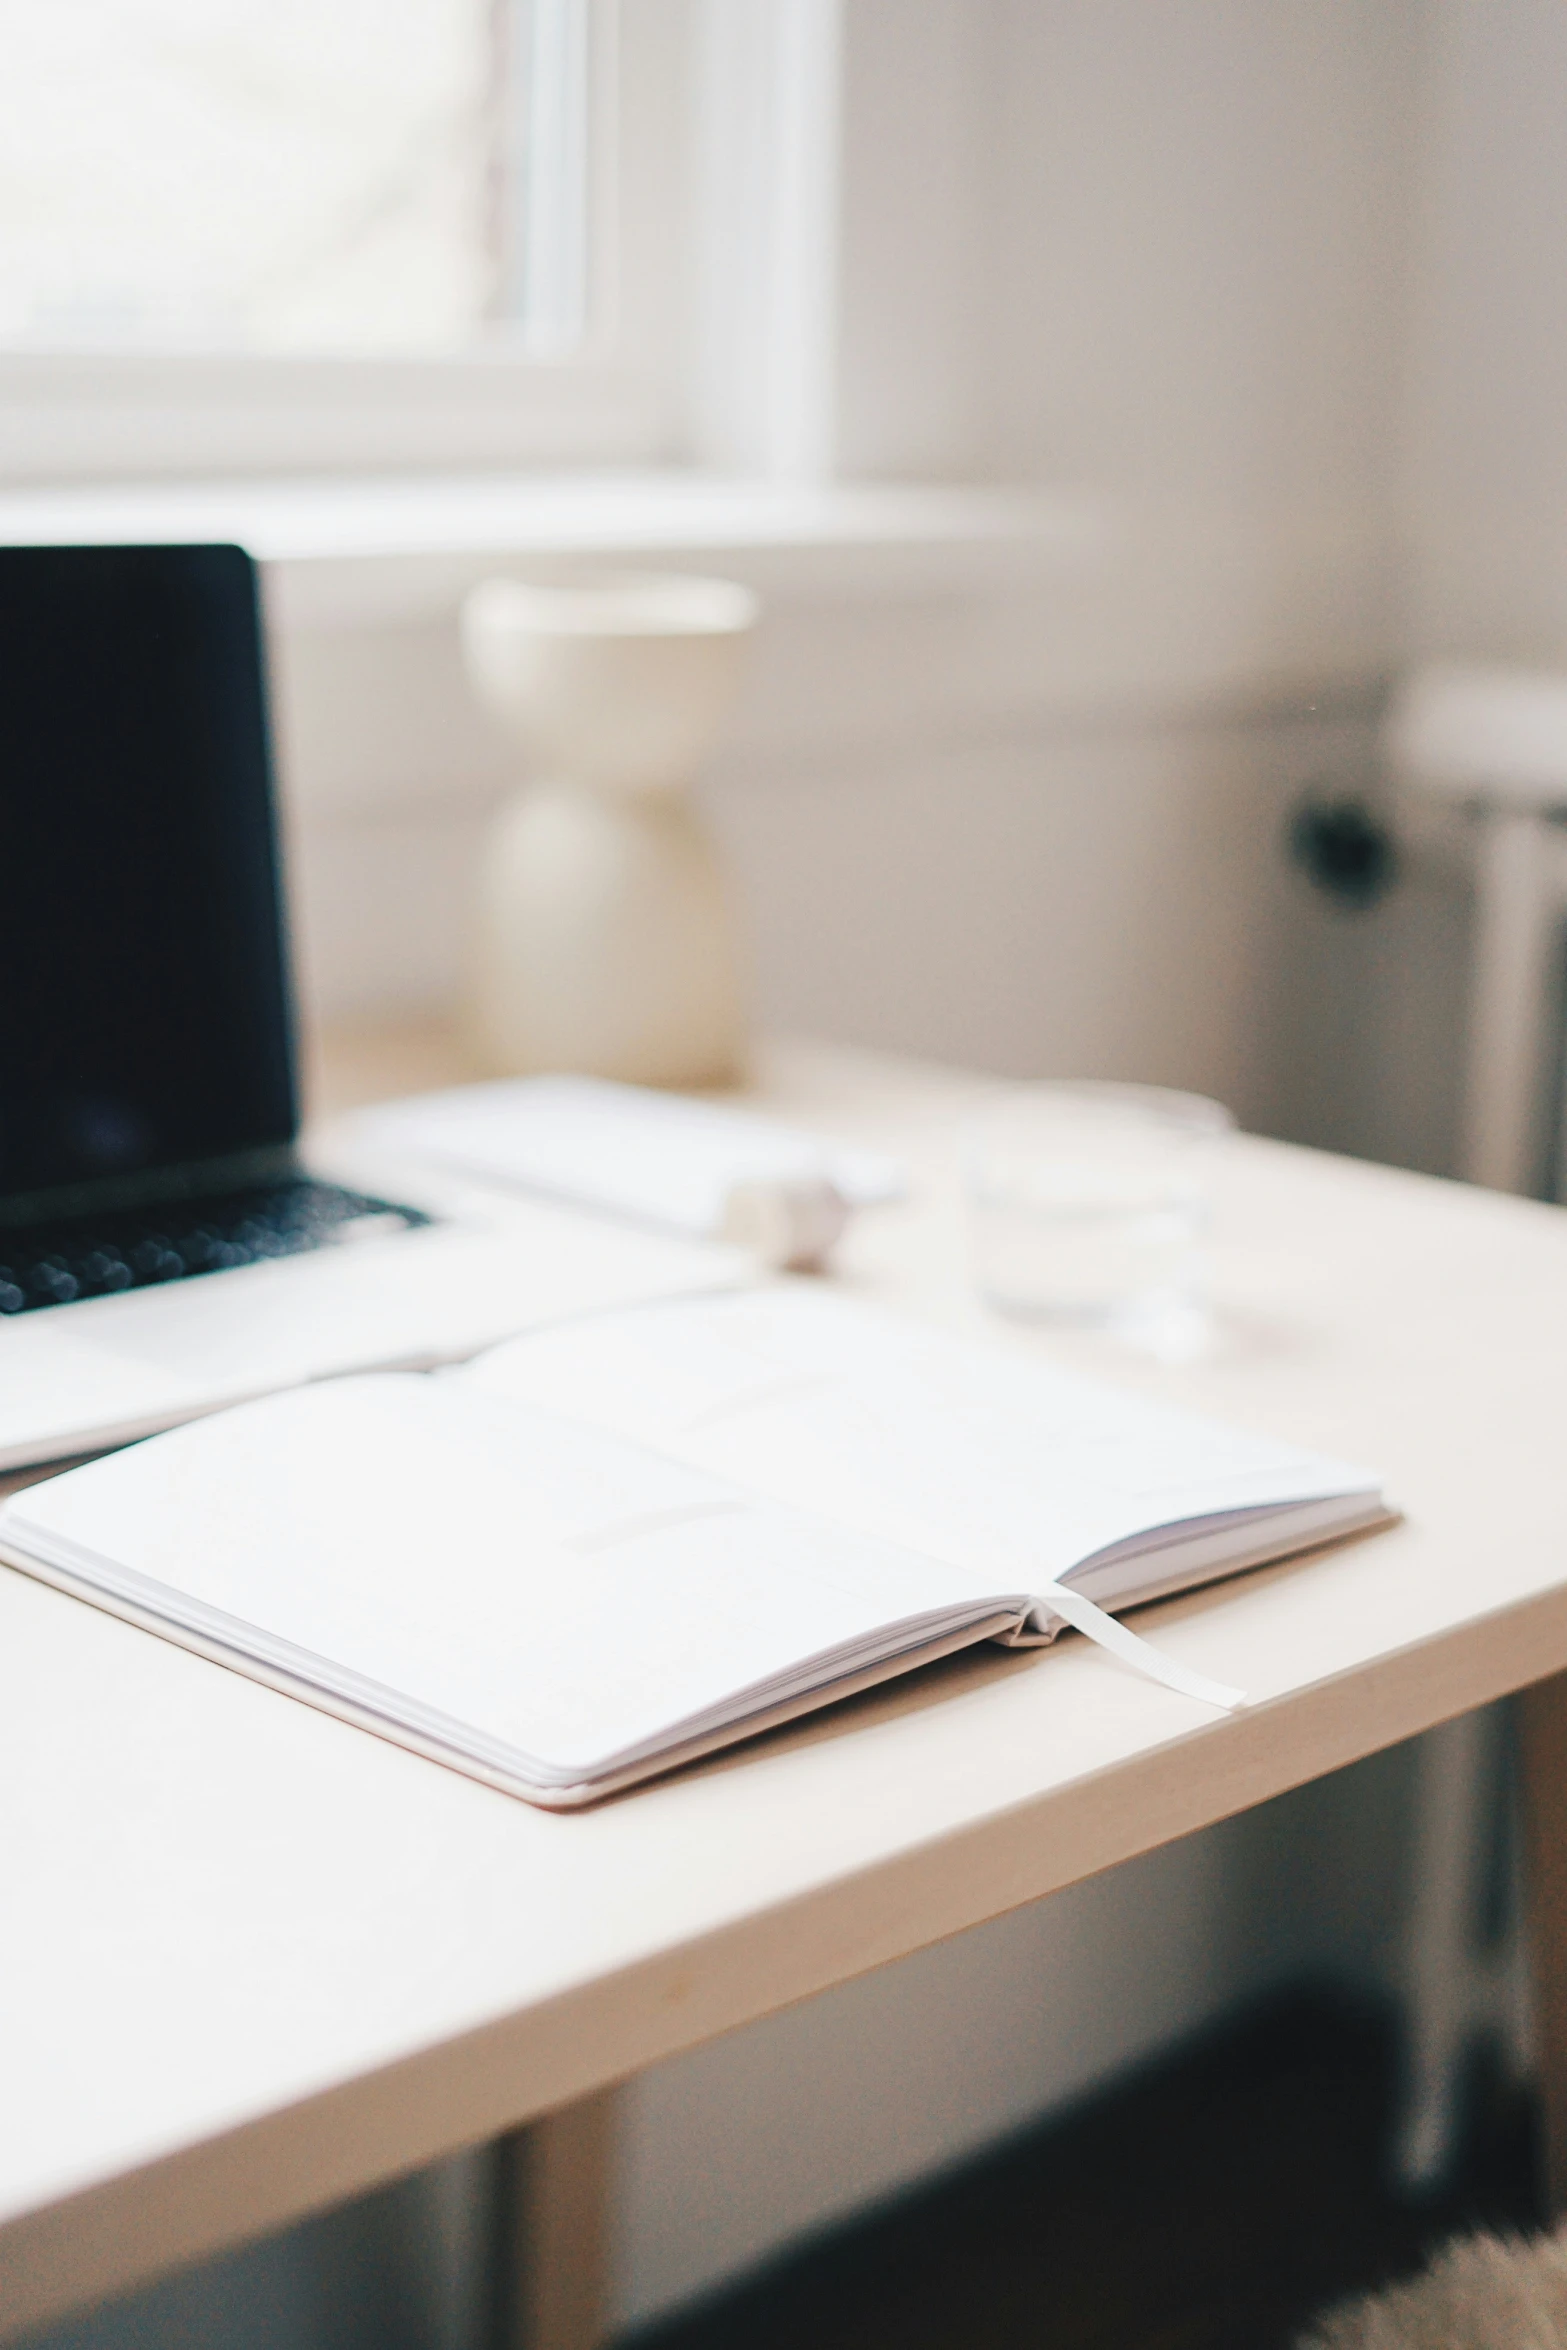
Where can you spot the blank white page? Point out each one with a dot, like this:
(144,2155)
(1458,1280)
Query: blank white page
(564,1594)
(1013,1471)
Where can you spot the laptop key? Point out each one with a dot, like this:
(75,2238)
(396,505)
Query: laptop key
(59,1263)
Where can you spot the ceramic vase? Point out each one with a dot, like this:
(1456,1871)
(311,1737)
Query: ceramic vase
(605,940)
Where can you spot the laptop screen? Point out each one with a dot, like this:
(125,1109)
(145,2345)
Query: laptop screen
(144,1017)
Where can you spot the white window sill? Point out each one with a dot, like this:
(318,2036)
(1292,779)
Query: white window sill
(344,552)
(1014,602)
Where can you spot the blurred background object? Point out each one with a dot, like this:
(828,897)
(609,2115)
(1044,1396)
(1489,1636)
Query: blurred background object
(1344,847)
(1492,742)
(605,942)
(1089,1203)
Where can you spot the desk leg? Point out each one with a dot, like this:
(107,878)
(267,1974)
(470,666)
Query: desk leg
(1447,1994)
(551,2247)
(1542,1755)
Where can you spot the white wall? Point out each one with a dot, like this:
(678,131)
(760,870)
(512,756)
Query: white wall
(1108,901)
(1202,242)
(1486,453)
(917,238)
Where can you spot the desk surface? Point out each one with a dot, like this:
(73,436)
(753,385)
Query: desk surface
(255,1960)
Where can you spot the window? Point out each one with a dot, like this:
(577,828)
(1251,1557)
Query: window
(367,176)
(274,233)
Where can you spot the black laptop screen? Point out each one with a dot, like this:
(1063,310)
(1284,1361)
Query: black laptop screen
(143,999)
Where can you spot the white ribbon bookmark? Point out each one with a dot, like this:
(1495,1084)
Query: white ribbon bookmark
(1095,1625)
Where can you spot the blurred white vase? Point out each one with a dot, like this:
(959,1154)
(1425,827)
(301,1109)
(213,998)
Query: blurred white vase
(605,940)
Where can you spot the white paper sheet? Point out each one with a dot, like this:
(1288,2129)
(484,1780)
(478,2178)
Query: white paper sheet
(657,1158)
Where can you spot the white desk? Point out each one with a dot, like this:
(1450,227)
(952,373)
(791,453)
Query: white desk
(255,1960)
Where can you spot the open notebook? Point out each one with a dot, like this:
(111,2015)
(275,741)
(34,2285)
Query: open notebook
(609,1546)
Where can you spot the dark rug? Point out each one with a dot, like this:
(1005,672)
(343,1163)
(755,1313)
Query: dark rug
(1212,2202)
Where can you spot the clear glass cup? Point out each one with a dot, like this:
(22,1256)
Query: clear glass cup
(1089,1202)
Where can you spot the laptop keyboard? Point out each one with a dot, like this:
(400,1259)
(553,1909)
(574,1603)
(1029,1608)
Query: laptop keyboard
(55,1264)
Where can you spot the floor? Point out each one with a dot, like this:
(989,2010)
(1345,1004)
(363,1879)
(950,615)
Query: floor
(1211,2204)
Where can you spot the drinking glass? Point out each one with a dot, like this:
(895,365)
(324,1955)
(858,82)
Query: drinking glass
(1089,1202)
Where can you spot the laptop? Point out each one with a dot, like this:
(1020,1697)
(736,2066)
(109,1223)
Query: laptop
(165,1245)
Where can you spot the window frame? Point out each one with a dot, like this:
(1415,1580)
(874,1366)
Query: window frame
(620,397)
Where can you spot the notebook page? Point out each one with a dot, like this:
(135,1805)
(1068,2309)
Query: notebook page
(566,1595)
(1013,1471)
